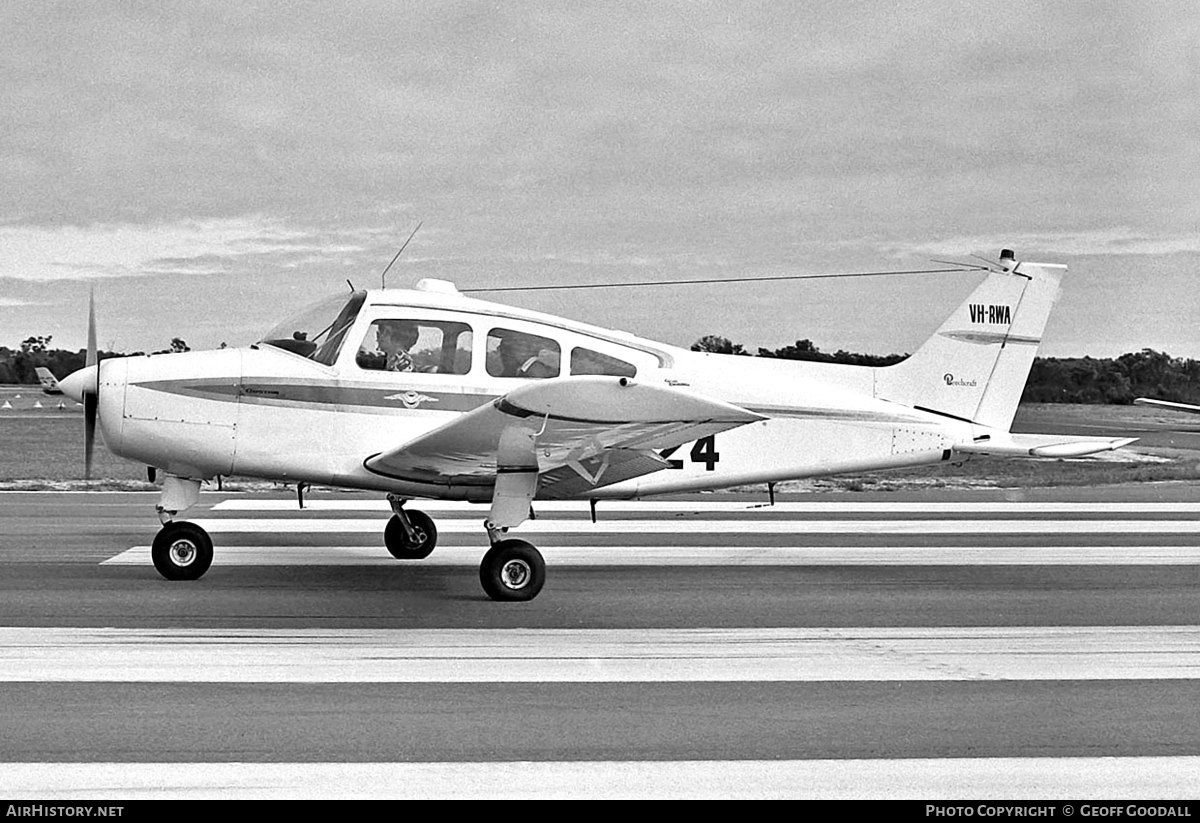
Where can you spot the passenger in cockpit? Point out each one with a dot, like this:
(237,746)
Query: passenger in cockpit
(527,356)
(543,364)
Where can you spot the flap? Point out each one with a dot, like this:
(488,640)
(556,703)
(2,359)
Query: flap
(564,422)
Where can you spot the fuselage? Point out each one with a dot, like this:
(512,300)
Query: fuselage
(311,403)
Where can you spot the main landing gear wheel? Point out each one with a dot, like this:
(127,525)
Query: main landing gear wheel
(182,551)
(401,546)
(512,570)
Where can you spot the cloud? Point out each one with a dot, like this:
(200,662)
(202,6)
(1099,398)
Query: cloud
(1113,241)
(212,246)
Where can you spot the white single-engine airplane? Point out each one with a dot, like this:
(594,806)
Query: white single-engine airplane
(426,393)
(48,380)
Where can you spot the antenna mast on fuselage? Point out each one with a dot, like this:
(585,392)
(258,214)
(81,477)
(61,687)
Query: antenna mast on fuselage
(383,277)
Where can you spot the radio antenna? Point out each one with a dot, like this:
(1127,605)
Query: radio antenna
(961,268)
(383,277)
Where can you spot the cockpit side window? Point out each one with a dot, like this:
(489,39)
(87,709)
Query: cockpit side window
(407,345)
(521,354)
(586,361)
(318,332)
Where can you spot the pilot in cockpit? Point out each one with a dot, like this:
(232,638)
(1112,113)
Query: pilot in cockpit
(395,340)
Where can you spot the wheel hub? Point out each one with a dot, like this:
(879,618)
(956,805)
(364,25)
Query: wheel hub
(182,552)
(515,574)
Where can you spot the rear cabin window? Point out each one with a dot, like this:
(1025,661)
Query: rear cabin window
(586,361)
(428,346)
(521,354)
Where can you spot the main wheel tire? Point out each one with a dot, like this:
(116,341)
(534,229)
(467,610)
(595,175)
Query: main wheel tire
(512,570)
(397,541)
(182,551)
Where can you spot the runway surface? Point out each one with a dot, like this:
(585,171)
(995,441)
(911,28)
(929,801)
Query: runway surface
(935,645)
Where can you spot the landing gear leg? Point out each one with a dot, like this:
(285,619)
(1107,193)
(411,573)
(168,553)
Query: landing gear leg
(512,570)
(409,535)
(181,550)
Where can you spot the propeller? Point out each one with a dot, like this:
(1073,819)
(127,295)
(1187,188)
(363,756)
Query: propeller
(91,395)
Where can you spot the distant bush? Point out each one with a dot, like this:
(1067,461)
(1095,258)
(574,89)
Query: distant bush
(1147,373)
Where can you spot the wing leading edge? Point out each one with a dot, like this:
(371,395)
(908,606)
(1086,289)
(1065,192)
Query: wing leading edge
(575,432)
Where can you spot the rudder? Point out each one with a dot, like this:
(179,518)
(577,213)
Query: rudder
(975,366)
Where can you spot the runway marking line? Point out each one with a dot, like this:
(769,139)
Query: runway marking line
(726,506)
(1156,779)
(867,654)
(724,555)
(548,526)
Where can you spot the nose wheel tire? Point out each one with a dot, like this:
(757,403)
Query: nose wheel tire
(398,542)
(182,551)
(512,570)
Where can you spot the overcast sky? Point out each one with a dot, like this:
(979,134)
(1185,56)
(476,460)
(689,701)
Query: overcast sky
(211,167)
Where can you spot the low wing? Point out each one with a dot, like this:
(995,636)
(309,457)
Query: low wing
(1041,445)
(1167,404)
(575,432)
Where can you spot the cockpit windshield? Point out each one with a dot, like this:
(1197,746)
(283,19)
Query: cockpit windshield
(318,331)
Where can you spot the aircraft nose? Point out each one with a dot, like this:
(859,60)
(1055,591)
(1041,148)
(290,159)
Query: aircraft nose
(78,383)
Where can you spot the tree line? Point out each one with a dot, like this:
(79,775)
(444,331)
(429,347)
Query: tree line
(17,365)
(1147,373)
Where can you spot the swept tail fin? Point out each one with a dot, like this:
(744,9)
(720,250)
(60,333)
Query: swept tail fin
(975,366)
(48,380)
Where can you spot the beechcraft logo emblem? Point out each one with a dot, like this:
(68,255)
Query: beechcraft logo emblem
(411,399)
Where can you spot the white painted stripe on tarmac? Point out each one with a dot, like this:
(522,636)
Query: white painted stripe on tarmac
(44,655)
(614,556)
(1154,779)
(860,527)
(726,506)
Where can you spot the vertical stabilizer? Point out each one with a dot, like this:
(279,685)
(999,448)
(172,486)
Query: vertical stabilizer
(976,365)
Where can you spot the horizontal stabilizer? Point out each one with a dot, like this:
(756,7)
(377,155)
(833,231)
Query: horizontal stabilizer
(1041,445)
(1167,404)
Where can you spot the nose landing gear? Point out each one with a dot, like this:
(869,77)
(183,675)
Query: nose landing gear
(181,550)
